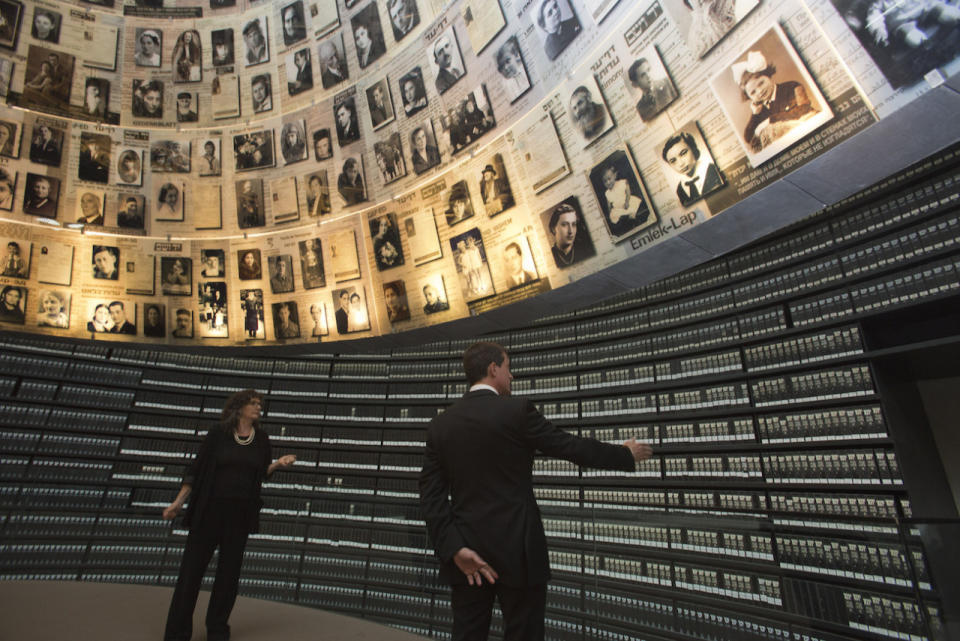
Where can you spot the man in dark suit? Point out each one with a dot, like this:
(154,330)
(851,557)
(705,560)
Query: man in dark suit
(698,174)
(488,534)
(343,312)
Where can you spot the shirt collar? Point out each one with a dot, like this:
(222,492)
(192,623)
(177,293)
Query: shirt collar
(480,386)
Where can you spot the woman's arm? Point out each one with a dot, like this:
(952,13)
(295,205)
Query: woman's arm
(172,510)
(284,461)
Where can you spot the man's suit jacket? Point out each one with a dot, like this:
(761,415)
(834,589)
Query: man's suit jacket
(711,181)
(481,452)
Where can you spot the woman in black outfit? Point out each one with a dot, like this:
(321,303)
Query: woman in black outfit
(225,480)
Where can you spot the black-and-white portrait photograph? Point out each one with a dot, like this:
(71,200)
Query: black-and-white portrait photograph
(261,93)
(322,145)
(48,79)
(209,159)
(169,203)
(445,60)
(255,43)
(15,262)
(367,35)
(251,305)
(351,184)
(147,99)
(254,150)
(170,156)
(89,209)
(41,195)
(494,187)
(11,12)
(318,320)
(587,111)
(459,205)
(473,268)
(567,233)
(294,22)
(345,112)
(131,210)
(434,294)
(94,158)
(6,71)
(10,138)
(96,98)
(379,103)
(212,310)
(13,302)
(250,209)
(557,25)
(333,63)
(281,273)
(105,262)
(221,42)
(689,164)
(424,151)
(650,84)
(469,119)
(212,263)
(187,57)
(351,310)
(100,318)
(395,301)
(703,23)
(53,309)
(148,47)
(154,320)
(511,69)
(387,250)
(404,17)
(389,156)
(46,144)
(46,25)
(249,266)
(187,102)
(299,71)
(517,265)
(316,187)
(176,275)
(413,93)
(624,203)
(769,97)
(286,322)
(311,264)
(8,187)
(293,143)
(181,323)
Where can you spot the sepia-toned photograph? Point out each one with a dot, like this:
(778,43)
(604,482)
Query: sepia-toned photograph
(317,191)
(96,98)
(94,159)
(557,25)
(318,320)
(322,145)
(424,151)
(15,262)
(351,310)
(588,113)
(8,187)
(48,79)
(187,57)
(434,294)
(250,205)
(181,322)
(105,262)
(395,301)
(379,103)
(41,195)
(387,250)
(647,79)
(261,93)
(170,202)
(176,275)
(186,110)
(130,167)
(131,210)
(212,310)
(212,263)
(351,184)
(98,314)
(473,269)
(690,165)
(293,141)
(148,47)
(389,156)
(254,150)
(53,309)
(517,265)
(413,94)
(470,119)
(221,42)
(294,23)
(494,186)
(249,264)
(367,35)
(345,112)
(299,71)
(209,160)
(147,99)
(769,97)
(404,17)
(10,138)
(154,320)
(11,12)
(280,269)
(445,60)
(625,205)
(511,69)
(13,302)
(567,233)
(459,205)
(90,207)
(46,144)
(170,156)
(255,43)
(46,25)
(703,23)
(286,320)
(333,63)
(311,264)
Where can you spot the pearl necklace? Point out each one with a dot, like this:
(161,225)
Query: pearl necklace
(247,440)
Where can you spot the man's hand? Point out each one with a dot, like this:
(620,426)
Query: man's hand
(474,567)
(640,451)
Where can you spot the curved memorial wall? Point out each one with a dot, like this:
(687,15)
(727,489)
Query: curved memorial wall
(254,173)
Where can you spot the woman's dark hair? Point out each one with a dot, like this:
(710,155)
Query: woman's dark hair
(478,357)
(230,415)
(686,139)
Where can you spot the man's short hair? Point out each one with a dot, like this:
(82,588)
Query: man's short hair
(683,137)
(634,70)
(251,26)
(478,357)
(183,312)
(116,302)
(515,247)
(561,209)
(584,90)
(184,94)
